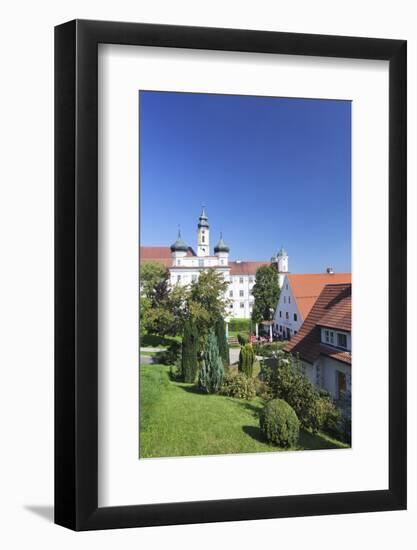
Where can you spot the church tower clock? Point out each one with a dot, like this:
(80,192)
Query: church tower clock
(203,235)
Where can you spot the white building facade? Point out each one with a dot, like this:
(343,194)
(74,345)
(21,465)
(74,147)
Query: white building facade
(185,267)
(287,317)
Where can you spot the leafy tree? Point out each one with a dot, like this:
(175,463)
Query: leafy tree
(162,307)
(206,301)
(154,279)
(246,360)
(266,293)
(220,331)
(189,366)
(212,370)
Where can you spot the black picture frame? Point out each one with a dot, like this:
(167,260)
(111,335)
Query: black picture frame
(76,272)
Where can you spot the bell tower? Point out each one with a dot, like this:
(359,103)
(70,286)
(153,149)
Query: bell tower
(282,260)
(203,235)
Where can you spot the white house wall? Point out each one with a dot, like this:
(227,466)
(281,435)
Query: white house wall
(330,368)
(287,304)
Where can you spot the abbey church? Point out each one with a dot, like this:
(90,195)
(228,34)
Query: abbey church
(185,265)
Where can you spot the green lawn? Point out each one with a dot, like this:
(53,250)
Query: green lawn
(177,420)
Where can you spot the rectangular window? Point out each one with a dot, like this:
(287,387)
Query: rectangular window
(285,299)
(342,340)
(242,305)
(241,280)
(200,263)
(295,317)
(230,293)
(289,299)
(329,336)
(241,293)
(194,278)
(280,328)
(178,278)
(286,315)
(178,262)
(251,279)
(280,313)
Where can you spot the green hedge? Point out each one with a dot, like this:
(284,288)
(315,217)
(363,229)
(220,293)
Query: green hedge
(239,325)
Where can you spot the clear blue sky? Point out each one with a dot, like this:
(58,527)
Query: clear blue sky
(270,172)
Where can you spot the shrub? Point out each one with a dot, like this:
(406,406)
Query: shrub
(344,404)
(222,341)
(212,370)
(189,364)
(263,390)
(171,355)
(279,423)
(238,385)
(242,339)
(246,360)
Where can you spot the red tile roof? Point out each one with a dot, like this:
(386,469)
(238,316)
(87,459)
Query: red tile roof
(334,303)
(306,287)
(159,254)
(245,268)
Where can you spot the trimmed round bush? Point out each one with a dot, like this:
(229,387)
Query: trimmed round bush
(279,423)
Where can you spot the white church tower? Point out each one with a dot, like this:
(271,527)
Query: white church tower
(282,261)
(203,235)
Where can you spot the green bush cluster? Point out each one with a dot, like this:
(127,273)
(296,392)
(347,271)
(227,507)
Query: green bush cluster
(246,360)
(268,350)
(279,423)
(314,409)
(171,355)
(238,385)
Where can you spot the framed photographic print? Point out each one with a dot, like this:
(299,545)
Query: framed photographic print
(230,244)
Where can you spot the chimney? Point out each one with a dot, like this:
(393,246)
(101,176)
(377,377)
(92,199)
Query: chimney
(330,270)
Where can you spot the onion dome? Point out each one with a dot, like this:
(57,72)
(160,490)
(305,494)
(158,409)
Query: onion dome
(203,220)
(221,246)
(282,252)
(179,245)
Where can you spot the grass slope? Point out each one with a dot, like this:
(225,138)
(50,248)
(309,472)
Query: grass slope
(177,420)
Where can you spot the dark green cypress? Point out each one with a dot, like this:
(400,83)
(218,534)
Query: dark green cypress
(220,330)
(189,362)
(212,370)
